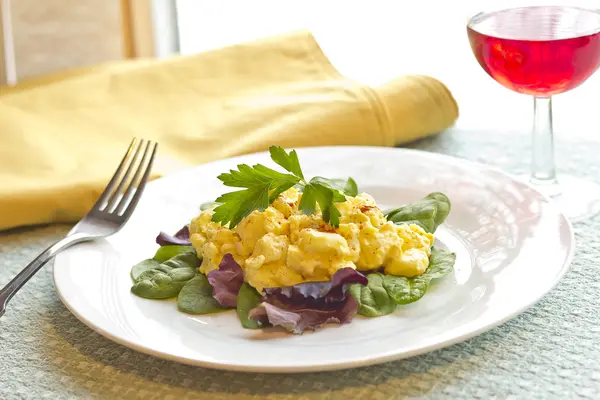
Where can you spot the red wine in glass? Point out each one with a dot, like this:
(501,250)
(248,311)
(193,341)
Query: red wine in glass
(542,51)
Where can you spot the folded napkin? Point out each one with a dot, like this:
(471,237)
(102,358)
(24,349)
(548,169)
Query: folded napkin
(63,136)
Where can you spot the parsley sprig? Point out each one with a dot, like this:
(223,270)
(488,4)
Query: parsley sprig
(262,185)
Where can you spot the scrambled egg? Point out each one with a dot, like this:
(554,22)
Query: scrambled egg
(282,247)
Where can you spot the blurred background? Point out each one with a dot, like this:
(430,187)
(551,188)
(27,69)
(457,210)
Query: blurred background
(370,41)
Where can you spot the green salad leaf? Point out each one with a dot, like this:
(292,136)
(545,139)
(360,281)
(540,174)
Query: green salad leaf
(143,266)
(262,185)
(196,297)
(157,284)
(429,212)
(403,290)
(247,299)
(166,252)
(441,263)
(373,299)
(187,259)
(154,280)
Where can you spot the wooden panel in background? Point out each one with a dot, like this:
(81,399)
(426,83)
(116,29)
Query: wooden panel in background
(55,35)
(138,40)
(2,65)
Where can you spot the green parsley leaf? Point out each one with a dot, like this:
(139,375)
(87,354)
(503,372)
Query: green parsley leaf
(348,187)
(288,161)
(351,188)
(262,184)
(316,193)
(308,202)
(257,175)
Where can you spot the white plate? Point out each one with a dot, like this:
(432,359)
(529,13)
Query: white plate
(512,247)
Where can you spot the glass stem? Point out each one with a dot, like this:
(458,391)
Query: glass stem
(543,170)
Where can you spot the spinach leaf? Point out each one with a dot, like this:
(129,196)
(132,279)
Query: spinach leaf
(182,274)
(373,299)
(188,259)
(154,280)
(348,187)
(176,274)
(166,252)
(247,299)
(158,284)
(196,297)
(405,290)
(429,212)
(441,263)
(141,267)
(148,274)
(382,293)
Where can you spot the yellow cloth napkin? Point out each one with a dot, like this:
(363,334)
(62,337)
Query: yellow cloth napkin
(63,136)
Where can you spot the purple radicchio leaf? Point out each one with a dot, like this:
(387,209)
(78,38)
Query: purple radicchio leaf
(298,319)
(310,305)
(181,238)
(317,292)
(226,281)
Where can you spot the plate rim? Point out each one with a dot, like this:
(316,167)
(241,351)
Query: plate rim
(373,360)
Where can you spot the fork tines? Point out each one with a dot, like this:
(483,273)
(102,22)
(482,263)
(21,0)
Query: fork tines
(137,161)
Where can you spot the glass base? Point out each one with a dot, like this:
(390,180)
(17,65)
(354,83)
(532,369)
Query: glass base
(577,198)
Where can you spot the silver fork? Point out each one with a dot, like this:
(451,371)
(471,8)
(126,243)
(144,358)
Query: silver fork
(110,213)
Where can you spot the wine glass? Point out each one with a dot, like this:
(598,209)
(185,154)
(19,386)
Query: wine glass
(542,51)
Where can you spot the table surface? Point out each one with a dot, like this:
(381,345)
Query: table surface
(550,351)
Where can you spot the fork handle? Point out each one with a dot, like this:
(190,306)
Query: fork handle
(8,291)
